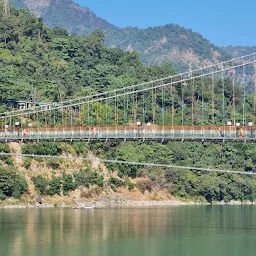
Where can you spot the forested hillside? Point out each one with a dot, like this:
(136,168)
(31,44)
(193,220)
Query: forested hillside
(155,45)
(51,65)
(238,51)
(169,42)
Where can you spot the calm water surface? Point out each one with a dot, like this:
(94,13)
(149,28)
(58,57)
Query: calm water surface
(182,230)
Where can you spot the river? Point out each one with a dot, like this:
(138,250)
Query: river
(171,230)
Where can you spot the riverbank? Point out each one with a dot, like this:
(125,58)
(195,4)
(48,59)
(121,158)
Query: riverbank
(116,203)
(97,204)
(74,183)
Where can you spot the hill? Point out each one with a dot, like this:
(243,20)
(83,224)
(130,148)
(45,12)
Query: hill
(67,14)
(49,65)
(170,42)
(238,51)
(155,45)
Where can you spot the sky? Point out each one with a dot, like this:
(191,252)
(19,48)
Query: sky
(223,22)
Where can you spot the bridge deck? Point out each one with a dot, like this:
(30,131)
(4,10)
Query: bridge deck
(207,136)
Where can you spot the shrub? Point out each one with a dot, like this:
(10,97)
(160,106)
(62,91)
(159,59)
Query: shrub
(27,162)
(42,148)
(11,183)
(81,148)
(68,183)
(128,183)
(54,186)
(2,196)
(131,186)
(19,187)
(41,184)
(116,182)
(6,159)
(130,171)
(87,177)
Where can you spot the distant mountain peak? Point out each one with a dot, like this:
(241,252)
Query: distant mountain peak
(65,13)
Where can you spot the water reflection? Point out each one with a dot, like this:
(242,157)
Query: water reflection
(187,230)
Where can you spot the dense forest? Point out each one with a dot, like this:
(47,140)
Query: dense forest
(42,64)
(51,65)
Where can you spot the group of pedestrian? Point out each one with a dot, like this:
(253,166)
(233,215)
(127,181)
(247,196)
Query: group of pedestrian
(96,133)
(11,132)
(239,132)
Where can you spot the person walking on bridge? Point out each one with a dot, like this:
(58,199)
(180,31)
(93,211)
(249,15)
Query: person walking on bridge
(241,133)
(221,132)
(94,131)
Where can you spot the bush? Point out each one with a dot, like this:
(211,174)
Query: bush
(68,183)
(116,182)
(11,183)
(19,187)
(6,159)
(2,196)
(128,183)
(41,184)
(87,177)
(42,148)
(27,162)
(81,148)
(54,186)
(51,187)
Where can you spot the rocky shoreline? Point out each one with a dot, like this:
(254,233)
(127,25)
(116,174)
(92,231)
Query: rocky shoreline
(101,204)
(119,203)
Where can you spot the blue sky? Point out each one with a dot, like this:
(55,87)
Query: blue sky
(223,22)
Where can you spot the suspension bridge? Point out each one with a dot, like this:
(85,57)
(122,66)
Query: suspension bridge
(214,103)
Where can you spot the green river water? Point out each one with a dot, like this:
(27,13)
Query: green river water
(176,230)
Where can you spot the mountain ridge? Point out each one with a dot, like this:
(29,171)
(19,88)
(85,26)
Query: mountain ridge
(155,45)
